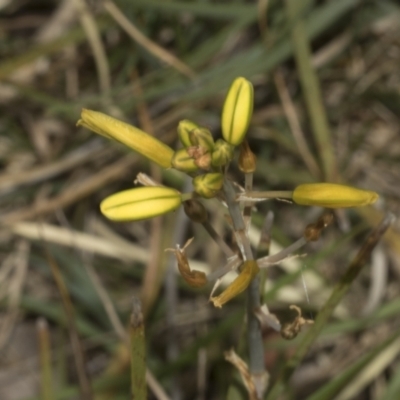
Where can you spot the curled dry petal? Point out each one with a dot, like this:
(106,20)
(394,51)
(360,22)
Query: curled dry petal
(249,271)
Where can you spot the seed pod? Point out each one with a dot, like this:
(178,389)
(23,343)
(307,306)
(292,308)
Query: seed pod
(208,185)
(195,211)
(182,161)
(249,271)
(237,111)
(247,159)
(222,154)
(331,195)
(184,128)
(313,231)
(130,136)
(202,137)
(140,203)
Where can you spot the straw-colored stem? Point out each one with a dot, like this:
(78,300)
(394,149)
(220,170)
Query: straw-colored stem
(46,375)
(323,316)
(265,195)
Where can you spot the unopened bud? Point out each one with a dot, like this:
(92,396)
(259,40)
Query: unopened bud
(332,195)
(184,128)
(237,111)
(140,203)
(202,137)
(195,211)
(247,159)
(182,161)
(208,185)
(222,154)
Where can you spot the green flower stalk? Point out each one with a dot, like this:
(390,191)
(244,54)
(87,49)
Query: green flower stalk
(237,111)
(140,203)
(332,195)
(136,139)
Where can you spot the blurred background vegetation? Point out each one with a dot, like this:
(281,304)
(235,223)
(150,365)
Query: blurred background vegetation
(153,63)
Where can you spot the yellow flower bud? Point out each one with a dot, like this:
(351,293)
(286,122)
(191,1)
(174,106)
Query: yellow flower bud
(184,128)
(202,137)
(208,185)
(182,161)
(331,195)
(237,111)
(136,139)
(222,154)
(249,271)
(140,203)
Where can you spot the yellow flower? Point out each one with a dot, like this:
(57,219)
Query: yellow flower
(136,139)
(331,195)
(237,111)
(140,203)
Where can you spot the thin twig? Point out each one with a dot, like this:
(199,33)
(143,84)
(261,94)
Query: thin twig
(138,352)
(294,123)
(79,355)
(311,90)
(229,253)
(144,41)
(46,374)
(267,261)
(92,33)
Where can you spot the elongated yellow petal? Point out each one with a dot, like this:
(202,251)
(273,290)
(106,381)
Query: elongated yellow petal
(140,203)
(136,139)
(237,111)
(331,195)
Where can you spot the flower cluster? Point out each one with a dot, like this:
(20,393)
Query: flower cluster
(206,161)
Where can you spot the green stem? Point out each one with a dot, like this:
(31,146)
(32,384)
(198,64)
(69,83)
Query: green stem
(254,334)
